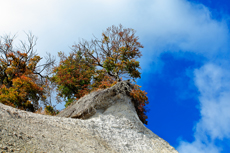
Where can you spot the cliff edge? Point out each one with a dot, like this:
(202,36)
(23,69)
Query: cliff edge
(104,121)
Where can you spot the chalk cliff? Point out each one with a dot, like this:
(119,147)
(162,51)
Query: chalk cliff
(104,121)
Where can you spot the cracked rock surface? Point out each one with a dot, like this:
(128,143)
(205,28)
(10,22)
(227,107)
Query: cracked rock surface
(110,125)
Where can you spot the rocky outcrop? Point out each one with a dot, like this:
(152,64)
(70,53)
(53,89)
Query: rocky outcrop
(97,102)
(104,121)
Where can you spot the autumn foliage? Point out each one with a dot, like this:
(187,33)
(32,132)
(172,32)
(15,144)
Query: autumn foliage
(116,52)
(99,64)
(92,65)
(72,76)
(21,85)
(140,100)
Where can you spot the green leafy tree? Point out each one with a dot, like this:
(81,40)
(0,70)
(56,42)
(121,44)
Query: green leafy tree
(22,84)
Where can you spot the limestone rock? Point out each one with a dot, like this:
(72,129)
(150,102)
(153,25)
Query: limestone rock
(100,122)
(96,102)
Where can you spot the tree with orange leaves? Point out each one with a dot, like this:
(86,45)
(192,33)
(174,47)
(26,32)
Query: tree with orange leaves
(101,63)
(72,76)
(116,52)
(22,83)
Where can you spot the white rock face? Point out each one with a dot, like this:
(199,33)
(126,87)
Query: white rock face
(113,129)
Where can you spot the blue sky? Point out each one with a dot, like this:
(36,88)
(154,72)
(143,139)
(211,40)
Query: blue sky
(185,62)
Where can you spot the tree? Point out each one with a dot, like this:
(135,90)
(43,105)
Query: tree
(116,52)
(22,83)
(72,76)
(101,63)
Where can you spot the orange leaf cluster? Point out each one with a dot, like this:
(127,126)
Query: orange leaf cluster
(20,87)
(140,101)
(72,77)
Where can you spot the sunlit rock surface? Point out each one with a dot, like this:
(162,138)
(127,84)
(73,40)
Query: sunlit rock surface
(101,122)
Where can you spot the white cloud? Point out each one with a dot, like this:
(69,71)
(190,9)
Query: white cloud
(161,24)
(197,147)
(213,83)
(179,25)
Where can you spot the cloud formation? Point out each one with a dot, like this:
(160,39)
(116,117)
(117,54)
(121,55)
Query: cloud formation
(213,83)
(179,25)
(161,24)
